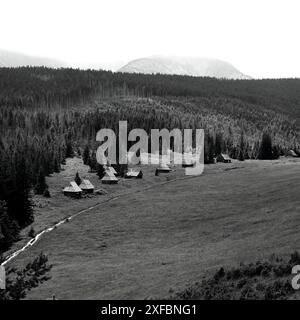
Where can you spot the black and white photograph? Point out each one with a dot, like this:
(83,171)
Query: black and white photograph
(149,151)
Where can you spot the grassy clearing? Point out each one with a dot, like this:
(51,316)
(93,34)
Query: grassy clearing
(48,211)
(166,238)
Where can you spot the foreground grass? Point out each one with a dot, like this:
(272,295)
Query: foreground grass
(141,245)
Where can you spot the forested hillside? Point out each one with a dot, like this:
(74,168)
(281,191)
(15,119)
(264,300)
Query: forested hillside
(43,86)
(47,115)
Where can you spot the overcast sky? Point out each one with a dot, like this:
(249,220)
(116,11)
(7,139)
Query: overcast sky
(259,37)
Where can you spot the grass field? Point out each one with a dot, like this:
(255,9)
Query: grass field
(161,239)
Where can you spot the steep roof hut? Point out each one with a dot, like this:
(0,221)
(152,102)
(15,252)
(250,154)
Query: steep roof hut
(223,158)
(134,174)
(109,178)
(163,167)
(72,190)
(111,169)
(292,153)
(187,162)
(86,186)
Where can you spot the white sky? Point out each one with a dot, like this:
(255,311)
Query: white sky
(259,37)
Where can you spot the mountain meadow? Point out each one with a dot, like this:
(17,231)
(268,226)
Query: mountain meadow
(182,228)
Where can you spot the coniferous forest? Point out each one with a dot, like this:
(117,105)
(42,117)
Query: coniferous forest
(47,115)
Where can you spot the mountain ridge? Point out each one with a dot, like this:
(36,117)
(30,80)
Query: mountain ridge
(190,66)
(13,59)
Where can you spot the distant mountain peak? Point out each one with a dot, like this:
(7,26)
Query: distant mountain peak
(190,66)
(15,59)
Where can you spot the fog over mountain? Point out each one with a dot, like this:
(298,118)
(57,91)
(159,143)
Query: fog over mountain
(192,66)
(16,59)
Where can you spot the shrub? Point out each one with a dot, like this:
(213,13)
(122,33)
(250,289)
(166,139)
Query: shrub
(47,194)
(295,258)
(31,233)
(219,274)
(19,282)
(261,280)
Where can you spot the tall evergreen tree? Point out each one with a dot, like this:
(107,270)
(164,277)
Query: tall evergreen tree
(19,202)
(69,149)
(100,170)
(219,144)
(9,229)
(241,155)
(77,178)
(265,149)
(86,155)
(41,184)
(56,166)
(93,162)
(209,147)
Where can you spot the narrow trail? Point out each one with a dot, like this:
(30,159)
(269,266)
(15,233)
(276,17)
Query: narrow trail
(34,240)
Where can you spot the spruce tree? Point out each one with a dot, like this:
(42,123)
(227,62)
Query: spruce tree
(219,144)
(209,147)
(77,178)
(241,155)
(18,201)
(69,149)
(86,155)
(9,229)
(41,184)
(265,149)
(123,169)
(100,171)
(56,167)
(93,162)
(47,194)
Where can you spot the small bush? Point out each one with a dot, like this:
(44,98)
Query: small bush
(219,274)
(31,233)
(295,258)
(47,194)
(241,283)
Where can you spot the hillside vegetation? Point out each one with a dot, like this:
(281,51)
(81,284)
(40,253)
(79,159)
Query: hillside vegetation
(48,115)
(269,279)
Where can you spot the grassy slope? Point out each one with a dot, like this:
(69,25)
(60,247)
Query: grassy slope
(169,236)
(48,211)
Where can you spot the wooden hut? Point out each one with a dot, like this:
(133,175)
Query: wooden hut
(134,174)
(111,169)
(292,153)
(223,158)
(86,186)
(163,167)
(109,178)
(188,163)
(72,190)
